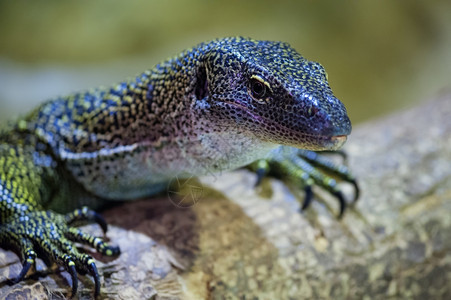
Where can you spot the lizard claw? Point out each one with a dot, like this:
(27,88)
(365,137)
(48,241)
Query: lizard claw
(50,235)
(308,197)
(342,202)
(95,275)
(29,261)
(73,274)
(356,190)
(261,168)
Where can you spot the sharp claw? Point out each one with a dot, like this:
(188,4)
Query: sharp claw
(100,221)
(342,201)
(73,275)
(108,250)
(308,197)
(356,190)
(261,169)
(29,261)
(95,275)
(116,250)
(25,268)
(260,175)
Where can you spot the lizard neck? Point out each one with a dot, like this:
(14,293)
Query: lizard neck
(150,109)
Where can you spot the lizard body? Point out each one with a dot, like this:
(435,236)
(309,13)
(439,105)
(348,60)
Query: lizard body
(219,106)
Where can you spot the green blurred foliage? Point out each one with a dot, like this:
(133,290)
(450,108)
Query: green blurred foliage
(380,55)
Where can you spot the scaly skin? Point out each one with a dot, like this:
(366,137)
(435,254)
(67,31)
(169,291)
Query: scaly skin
(219,106)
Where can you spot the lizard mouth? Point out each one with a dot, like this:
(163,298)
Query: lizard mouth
(336,142)
(316,142)
(302,140)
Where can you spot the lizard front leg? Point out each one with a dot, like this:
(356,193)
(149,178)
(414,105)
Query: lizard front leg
(50,236)
(305,169)
(27,186)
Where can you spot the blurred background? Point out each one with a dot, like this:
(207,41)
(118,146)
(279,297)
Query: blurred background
(381,56)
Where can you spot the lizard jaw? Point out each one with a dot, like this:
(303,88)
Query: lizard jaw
(336,142)
(320,142)
(315,142)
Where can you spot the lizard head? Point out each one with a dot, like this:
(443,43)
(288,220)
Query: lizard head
(273,92)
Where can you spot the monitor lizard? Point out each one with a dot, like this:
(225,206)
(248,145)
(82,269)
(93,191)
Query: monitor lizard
(225,104)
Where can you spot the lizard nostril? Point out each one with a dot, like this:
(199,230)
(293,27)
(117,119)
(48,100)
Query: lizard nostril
(311,111)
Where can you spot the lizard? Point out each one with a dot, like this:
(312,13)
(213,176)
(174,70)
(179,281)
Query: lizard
(228,103)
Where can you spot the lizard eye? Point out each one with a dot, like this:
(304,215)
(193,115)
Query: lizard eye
(259,89)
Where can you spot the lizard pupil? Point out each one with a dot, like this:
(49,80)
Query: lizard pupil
(258,89)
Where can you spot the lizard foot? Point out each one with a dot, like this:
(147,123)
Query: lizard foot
(307,168)
(51,237)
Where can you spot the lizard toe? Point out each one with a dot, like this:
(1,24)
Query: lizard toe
(95,274)
(85,215)
(78,235)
